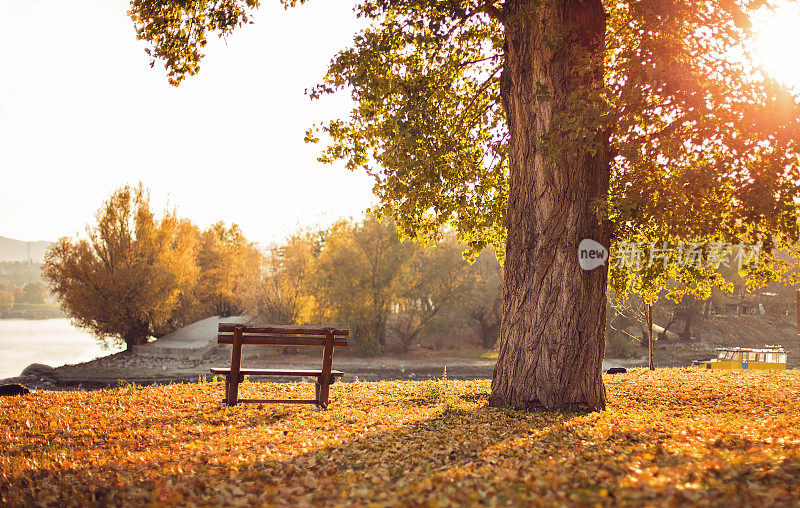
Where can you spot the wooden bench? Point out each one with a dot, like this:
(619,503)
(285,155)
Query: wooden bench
(239,335)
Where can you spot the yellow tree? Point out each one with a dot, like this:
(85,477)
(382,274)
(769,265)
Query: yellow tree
(229,267)
(6,301)
(432,294)
(286,293)
(185,250)
(359,271)
(122,282)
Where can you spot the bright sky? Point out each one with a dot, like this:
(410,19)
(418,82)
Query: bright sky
(82,113)
(777,41)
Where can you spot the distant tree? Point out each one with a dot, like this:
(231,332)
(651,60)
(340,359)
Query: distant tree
(358,271)
(185,246)
(785,298)
(286,293)
(432,294)
(688,310)
(34,292)
(123,281)
(619,342)
(485,301)
(229,266)
(18,273)
(6,300)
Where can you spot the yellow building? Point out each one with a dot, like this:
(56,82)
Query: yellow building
(734,358)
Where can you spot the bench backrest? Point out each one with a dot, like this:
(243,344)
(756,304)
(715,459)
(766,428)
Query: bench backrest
(238,335)
(282,335)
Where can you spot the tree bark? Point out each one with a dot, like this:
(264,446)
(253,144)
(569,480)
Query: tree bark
(688,322)
(379,325)
(552,334)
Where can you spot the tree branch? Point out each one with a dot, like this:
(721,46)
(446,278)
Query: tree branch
(493,11)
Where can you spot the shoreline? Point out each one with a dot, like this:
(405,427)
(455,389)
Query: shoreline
(130,367)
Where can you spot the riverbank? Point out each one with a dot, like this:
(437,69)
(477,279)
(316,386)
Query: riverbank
(134,368)
(53,342)
(188,354)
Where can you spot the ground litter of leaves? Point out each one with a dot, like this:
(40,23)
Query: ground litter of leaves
(669,437)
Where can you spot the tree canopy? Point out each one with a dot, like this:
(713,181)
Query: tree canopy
(704,143)
(123,280)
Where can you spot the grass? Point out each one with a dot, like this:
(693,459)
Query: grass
(669,437)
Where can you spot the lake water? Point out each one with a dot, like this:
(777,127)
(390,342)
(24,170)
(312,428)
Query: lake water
(53,342)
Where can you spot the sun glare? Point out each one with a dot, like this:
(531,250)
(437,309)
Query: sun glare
(776,44)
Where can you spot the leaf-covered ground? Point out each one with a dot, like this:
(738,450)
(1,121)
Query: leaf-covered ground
(669,437)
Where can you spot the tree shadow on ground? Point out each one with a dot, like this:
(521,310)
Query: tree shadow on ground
(496,456)
(466,454)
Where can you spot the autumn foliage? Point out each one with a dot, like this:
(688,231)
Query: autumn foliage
(393,294)
(138,275)
(668,438)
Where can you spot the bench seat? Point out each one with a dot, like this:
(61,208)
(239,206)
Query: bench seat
(279,372)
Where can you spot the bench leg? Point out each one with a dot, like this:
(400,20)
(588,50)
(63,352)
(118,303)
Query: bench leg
(325,378)
(231,390)
(320,395)
(322,392)
(234,377)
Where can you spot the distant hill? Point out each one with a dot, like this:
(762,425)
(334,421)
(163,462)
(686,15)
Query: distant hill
(17,250)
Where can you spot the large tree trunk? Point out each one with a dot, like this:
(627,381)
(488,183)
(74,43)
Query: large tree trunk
(552,335)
